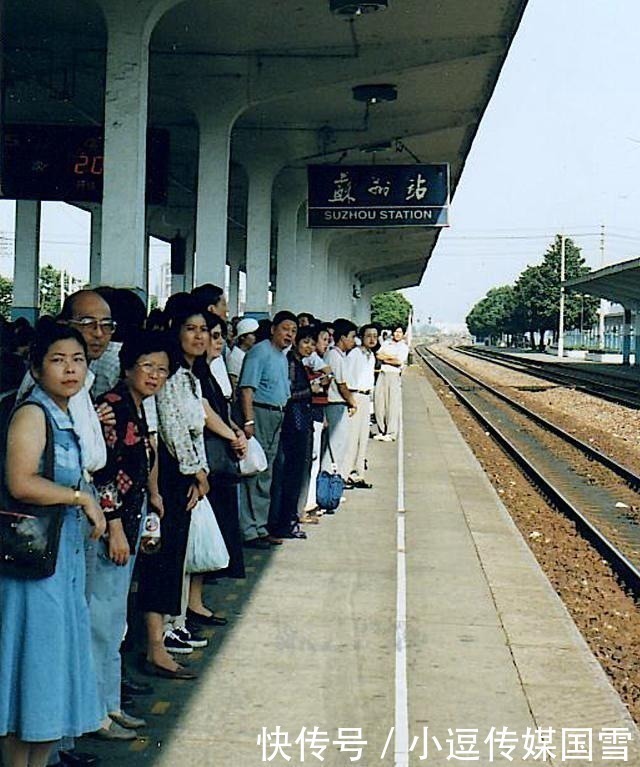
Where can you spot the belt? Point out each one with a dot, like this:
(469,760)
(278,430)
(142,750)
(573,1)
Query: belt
(360,391)
(264,406)
(337,403)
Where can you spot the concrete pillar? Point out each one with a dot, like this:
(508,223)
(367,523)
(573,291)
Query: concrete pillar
(190,263)
(287,293)
(261,177)
(636,332)
(95,246)
(177,283)
(322,279)
(234,284)
(626,338)
(125,144)
(363,306)
(26,290)
(213,193)
(147,248)
(303,277)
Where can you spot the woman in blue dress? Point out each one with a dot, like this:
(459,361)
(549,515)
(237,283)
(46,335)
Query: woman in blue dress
(47,679)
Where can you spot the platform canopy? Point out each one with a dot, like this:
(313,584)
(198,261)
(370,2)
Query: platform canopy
(270,81)
(619,283)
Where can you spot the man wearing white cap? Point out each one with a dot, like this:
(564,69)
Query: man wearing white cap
(245,339)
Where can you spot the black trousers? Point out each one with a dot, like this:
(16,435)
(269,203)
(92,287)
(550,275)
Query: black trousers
(290,483)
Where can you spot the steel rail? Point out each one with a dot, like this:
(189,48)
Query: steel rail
(624,569)
(620,395)
(622,471)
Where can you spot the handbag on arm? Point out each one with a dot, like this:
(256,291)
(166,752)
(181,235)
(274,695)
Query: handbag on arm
(29,534)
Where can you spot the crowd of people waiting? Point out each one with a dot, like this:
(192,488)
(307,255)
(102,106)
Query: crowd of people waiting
(139,407)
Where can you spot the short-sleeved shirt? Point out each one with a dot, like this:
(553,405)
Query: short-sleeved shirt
(360,369)
(397,349)
(336,359)
(266,371)
(234,361)
(219,371)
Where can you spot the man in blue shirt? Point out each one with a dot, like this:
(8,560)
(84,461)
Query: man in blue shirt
(263,391)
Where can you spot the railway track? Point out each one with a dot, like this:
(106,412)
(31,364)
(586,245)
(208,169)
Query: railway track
(622,391)
(597,493)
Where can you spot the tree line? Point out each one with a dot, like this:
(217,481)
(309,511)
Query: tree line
(531,306)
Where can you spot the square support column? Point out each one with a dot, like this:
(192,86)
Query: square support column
(95,246)
(626,337)
(259,238)
(125,154)
(213,199)
(26,273)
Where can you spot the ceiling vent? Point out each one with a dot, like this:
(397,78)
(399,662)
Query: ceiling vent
(356,7)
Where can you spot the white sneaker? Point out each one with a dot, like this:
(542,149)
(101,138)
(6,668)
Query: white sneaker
(174,644)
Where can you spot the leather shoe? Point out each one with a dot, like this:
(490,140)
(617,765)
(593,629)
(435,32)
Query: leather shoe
(257,543)
(205,620)
(114,732)
(129,687)
(180,673)
(127,721)
(300,534)
(273,540)
(77,759)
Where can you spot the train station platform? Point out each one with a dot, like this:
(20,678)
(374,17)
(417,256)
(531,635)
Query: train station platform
(318,636)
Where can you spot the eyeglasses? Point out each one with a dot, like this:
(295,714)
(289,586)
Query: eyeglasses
(88,323)
(150,369)
(216,334)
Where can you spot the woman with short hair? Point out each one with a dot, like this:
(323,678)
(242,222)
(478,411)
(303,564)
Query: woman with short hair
(48,687)
(124,490)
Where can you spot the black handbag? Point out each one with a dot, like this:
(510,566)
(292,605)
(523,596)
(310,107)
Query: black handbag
(221,458)
(29,534)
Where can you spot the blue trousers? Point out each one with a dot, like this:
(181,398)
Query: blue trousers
(108,610)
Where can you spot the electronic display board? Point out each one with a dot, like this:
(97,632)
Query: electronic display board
(60,162)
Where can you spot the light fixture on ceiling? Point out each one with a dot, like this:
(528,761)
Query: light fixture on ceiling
(375,93)
(381,146)
(356,7)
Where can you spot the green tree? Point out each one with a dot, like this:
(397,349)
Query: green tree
(49,290)
(6,296)
(538,293)
(390,309)
(494,314)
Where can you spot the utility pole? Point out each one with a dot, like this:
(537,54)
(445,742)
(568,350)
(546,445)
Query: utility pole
(602,309)
(561,323)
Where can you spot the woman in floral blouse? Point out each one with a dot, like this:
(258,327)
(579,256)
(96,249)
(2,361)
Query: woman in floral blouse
(124,489)
(182,479)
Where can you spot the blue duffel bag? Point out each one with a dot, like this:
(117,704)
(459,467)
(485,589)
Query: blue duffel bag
(329,487)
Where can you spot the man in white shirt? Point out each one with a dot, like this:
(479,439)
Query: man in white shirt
(245,339)
(341,402)
(388,395)
(360,373)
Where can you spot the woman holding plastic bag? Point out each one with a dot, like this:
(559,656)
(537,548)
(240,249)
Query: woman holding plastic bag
(183,481)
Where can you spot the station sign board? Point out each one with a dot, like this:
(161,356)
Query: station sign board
(66,162)
(373,196)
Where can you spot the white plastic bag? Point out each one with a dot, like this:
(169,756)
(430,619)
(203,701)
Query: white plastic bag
(255,460)
(206,550)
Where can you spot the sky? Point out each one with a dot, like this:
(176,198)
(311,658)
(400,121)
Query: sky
(558,150)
